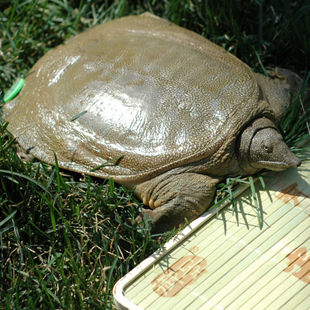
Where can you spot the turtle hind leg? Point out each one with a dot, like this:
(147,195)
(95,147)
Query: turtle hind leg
(175,198)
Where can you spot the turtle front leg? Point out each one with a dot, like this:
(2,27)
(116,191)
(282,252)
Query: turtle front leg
(174,197)
(278,87)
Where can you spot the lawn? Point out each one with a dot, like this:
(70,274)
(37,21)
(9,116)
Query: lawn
(64,238)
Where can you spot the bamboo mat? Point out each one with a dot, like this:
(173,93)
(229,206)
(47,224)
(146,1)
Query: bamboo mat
(227,261)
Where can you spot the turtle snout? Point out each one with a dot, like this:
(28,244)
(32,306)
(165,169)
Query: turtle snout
(296,162)
(268,150)
(279,151)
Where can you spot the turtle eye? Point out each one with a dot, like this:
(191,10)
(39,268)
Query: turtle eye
(268,148)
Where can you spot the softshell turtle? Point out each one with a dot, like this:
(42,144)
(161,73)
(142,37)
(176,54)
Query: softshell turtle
(179,112)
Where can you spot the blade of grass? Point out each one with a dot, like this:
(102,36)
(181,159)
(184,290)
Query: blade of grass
(28,179)
(8,218)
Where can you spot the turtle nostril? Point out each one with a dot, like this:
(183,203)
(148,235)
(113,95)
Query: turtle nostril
(295,161)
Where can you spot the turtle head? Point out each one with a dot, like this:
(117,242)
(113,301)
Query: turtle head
(261,146)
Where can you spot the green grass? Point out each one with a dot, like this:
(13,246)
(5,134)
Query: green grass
(64,238)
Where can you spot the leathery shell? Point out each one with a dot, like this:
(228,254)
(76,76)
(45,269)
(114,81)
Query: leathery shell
(158,94)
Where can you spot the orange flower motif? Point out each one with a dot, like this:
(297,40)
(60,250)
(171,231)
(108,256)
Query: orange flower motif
(178,276)
(301,259)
